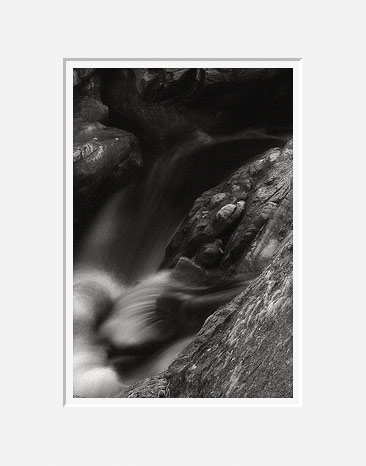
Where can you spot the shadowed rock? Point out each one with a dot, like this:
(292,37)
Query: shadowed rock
(250,213)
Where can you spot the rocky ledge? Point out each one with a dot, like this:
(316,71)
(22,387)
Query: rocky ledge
(238,225)
(245,349)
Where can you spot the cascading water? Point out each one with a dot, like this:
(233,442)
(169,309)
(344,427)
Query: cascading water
(131,321)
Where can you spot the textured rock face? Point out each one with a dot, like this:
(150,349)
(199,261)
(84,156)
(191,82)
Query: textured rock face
(90,109)
(105,159)
(245,349)
(162,84)
(250,214)
(88,105)
(82,75)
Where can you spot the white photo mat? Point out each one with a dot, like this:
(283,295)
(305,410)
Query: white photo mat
(69,65)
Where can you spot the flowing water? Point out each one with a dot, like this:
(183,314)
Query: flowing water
(131,320)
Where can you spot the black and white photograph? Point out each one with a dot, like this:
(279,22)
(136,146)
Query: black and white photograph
(182,233)
(183,226)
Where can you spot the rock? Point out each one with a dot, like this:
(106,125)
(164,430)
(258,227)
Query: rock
(102,152)
(88,104)
(82,74)
(211,254)
(83,131)
(227,216)
(251,231)
(162,84)
(87,83)
(105,159)
(90,109)
(244,350)
(224,214)
(189,272)
(217,199)
(268,212)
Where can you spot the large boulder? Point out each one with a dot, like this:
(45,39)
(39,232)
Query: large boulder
(250,213)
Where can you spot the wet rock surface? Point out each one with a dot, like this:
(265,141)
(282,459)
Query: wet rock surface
(244,350)
(90,109)
(249,214)
(88,105)
(82,75)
